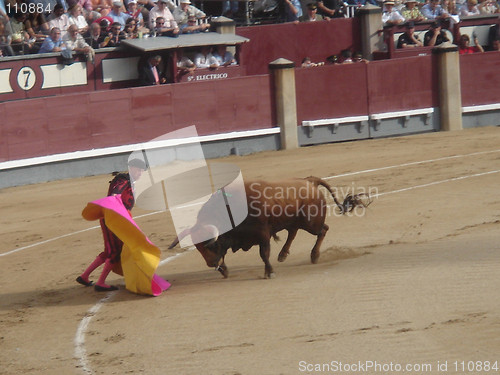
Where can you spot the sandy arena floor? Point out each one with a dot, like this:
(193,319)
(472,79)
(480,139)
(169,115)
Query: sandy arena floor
(412,284)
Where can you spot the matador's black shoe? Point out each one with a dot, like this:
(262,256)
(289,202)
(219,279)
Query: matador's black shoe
(99,288)
(79,280)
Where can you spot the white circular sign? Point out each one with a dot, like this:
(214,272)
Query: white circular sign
(26,78)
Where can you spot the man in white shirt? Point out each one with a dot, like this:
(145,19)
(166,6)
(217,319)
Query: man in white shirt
(184,10)
(391,16)
(205,59)
(74,41)
(161,10)
(59,19)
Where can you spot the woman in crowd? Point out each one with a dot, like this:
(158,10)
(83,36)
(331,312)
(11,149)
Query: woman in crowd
(131,29)
(75,17)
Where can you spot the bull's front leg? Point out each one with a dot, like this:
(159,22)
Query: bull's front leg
(222,268)
(317,245)
(286,247)
(265,251)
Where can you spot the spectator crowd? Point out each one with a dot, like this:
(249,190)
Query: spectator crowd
(41,26)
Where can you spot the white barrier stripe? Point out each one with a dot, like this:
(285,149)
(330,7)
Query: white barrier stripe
(408,164)
(411,112)
(76,155)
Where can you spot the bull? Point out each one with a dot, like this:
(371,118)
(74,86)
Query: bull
(272,207)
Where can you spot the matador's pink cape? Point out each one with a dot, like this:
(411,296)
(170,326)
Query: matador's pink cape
(139,258)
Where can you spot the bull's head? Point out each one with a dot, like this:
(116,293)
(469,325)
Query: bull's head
(210,249)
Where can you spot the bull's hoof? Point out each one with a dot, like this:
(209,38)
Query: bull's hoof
(314,259)
(271,275)
(223,270)
(282,257)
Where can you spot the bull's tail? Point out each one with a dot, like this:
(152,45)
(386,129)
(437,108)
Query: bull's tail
(351,201)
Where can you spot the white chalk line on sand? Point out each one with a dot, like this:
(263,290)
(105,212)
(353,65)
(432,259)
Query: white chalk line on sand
(80,350)
(409,164)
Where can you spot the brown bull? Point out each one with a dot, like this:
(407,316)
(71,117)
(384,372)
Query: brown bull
(272,207)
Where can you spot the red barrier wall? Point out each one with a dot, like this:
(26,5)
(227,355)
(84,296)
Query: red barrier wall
(402,84)
(331,91)
(296,41)
(45,126)
(480,78)
(365,89)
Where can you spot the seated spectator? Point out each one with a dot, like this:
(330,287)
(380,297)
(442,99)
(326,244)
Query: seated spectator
(307,63)
(93,36)
(184,10)
(104,23)
(494,32)
(18,28)
(36,25)
(20,38)
(409,39)
(360,3)
(192,28)
(312,14)
(3,15)
(470,9)
(346,56)
(161,10)
(450,6)
(230,8)
(223,57)
(85,5)
(331,8)
(464,48)
(146,5)
(75,17)
(131,29)
(101,6)
(74,41)
(117,15)
(135,13)
(495,46)
(332,60)
(149,75)
(59,19)
(488,7)
(293,10)
(162,30)
(433,10)
(435,36)
(205,59)
(113,38)
(358,57)
(411,12)
(391,16)
(5,39)
(184,64)
(53,43)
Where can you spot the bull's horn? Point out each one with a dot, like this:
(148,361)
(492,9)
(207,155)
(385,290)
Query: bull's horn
(184,233)
(215,234)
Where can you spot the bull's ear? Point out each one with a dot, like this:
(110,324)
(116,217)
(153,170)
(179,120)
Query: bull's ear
(184,233)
